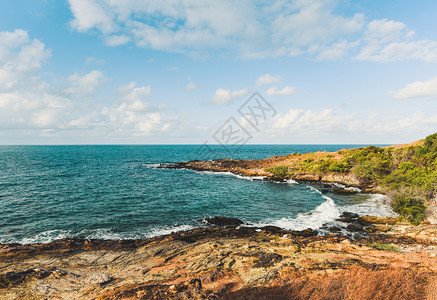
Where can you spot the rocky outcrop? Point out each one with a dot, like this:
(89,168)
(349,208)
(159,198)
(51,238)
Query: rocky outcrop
(257,168)
(229,263)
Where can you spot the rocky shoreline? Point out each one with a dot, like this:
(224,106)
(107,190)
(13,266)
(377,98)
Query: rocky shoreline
(256,169)
(227,260)
(364,257)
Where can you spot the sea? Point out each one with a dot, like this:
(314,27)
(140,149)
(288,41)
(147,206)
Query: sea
(117,192)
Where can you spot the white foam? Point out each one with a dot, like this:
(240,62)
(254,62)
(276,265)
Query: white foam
(251,178)
(339,185)
(351,188)
(292,181)
(158,231)
(322,214)
(101,233)
(152,166)
(44,237)
(376,205)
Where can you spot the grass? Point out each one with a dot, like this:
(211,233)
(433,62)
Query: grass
(356,283)
(385,247)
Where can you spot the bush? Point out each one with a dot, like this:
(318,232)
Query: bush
(408,175)
(341,167)
(405,166)
(408,204)
(279,170)
(316,166)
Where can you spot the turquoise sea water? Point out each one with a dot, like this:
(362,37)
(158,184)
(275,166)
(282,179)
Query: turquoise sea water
(115,192)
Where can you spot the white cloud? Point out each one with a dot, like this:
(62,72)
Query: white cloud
(94,60)
(288,90)
(336,51)
(249,29)
(223,96)
(319,123)
(86,84)
(303,22)
(298,119)
(13,39)
(386,30)
(386,41)
(191,86)
(117,40)
(268,79)
(427,88)
(30,104)
(20,58)
(130,92)
(90,14)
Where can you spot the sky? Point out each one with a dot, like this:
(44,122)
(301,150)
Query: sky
(185,71)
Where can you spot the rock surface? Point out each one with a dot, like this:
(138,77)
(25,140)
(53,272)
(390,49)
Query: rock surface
(223,221)
(228,263)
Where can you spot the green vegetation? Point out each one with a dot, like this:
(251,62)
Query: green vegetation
(407,174)
(279,170)
(322,165)
(385,247)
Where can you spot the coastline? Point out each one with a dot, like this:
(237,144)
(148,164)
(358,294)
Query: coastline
(367,257)
(228,262)
(256,168)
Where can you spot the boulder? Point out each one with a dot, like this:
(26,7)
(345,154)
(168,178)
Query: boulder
(223,221)
(341,191)
(348,217)
(354,227)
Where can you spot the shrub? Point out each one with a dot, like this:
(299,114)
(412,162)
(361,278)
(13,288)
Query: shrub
(409,204)
(341,167)
(278,170)
(405,166)
(316,166)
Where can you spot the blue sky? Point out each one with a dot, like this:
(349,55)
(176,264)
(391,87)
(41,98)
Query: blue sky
(173,72)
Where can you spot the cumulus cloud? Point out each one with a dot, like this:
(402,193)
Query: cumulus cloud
(317,123)
(20,58)
(427,88)
(117,40)
(387,40)
(250,30)
(30,104)
(268,79)
(86,84)
(303,23)
(223,96)
(274,91)
(299,119)
(191,86)
(336,51)
(131,92)
(90,14)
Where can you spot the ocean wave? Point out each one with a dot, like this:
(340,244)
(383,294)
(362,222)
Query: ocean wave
(350,188)
(326,212)
(376,205)
(247,177)
(251,178)
(100,233)
(153,166)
